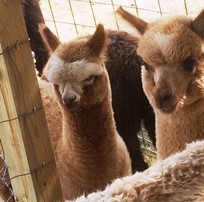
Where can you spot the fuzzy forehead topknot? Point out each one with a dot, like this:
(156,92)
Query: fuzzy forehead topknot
(59,71)
(169,41)
(74,50)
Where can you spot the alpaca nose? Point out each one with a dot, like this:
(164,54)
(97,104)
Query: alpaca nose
(70,100)
(162,95)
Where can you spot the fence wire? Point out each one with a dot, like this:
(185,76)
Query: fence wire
(72,18)
(5,180)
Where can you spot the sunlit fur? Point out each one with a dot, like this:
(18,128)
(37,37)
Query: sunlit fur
(71,79)
(89,152)
(164,46)
(184,120)
(173,80)
(178,178)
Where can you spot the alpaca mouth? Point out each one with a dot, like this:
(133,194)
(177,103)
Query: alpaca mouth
(168,109)
(72,106)
(167,106)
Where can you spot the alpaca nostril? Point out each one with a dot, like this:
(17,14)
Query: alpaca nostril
(165,94)
(162,95)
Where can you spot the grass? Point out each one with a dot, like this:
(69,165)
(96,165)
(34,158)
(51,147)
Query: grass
(147,147)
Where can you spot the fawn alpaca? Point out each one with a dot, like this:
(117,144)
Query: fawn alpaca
(173,78)
(89,152)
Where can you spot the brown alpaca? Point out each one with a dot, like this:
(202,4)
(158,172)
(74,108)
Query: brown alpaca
(173,78)
(178,178)
(129,102)
(89,152)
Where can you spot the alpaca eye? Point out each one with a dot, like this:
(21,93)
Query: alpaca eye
(189,65)
(148,67)
(90,79)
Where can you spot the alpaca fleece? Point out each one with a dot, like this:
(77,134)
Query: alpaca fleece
(130,105)
(89,152)
(178,178)
(33,16)
(173,78)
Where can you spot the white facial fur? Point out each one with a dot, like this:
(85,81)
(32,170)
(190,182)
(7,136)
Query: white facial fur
(169,78)
(71,77)
(163,40)
(58,71)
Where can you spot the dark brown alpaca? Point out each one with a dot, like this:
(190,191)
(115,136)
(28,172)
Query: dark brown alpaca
(33,16)
(130,104)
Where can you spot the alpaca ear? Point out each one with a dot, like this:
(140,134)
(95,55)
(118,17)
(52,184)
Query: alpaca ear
(97,42)
(50,40)
(198,25)
(138,23)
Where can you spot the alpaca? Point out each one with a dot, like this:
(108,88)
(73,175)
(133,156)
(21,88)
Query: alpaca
(129,102)
(173,78)
(33,16)
(130,105)
(89,152)
(177,178)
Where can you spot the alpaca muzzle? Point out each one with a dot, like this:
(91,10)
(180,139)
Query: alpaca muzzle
(164,99)
(71,101)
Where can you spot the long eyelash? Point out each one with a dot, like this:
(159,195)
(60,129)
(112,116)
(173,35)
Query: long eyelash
(189,64)
(90,77)
(148,67)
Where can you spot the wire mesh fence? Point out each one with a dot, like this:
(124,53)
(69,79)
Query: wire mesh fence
(72,18)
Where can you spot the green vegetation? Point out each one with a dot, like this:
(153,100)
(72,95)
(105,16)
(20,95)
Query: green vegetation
(147,147)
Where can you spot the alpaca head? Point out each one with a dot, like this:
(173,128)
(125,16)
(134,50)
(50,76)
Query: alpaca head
(173,71)
(77,69)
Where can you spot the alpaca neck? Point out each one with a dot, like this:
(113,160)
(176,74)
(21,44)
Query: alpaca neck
(91,124)
(183,126)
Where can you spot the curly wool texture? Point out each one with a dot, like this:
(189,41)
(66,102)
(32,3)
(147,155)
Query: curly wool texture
(130,105)
(178,178)
(33,16)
